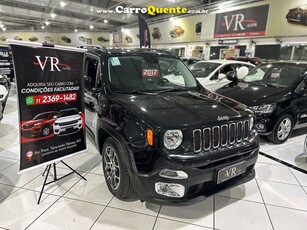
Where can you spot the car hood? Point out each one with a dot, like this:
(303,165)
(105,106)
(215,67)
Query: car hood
(32,122)
(254,94)
(183,108)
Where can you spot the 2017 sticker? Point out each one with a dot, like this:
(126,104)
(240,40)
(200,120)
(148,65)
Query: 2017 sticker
(150,72)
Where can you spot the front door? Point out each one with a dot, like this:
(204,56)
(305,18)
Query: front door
(93,82)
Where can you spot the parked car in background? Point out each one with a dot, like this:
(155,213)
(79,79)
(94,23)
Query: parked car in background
(40,125)
(212,74)
(190,60)
(4,89)
(277,93)
(253,60)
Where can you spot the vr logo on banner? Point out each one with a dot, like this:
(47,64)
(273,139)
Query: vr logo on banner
(239,18)
(54,64)
(53,60)
(240,23)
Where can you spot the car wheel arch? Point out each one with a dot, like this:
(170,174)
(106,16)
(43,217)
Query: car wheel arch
(106,131)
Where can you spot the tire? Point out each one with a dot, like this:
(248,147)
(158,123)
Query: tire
(282,130)
(46,130)
(115,171)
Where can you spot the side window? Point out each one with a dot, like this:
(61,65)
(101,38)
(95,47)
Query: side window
(226,69)
(91,71)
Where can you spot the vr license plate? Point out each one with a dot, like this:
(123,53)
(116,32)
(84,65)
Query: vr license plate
(231,172)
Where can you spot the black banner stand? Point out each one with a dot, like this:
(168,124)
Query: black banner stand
(55,178)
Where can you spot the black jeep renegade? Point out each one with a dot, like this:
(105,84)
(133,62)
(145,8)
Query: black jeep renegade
(162,135)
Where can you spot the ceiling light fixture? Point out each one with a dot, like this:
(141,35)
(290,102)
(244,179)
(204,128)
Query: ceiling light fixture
(91,27)
(53,15)
(76,30)
(62,4)
(123,29)
(105,21)
(4,28)
(1,26)
(47,23)
(92,9)
(43,27)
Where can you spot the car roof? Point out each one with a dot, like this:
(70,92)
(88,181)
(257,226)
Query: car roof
(286,62)
(122,51)
(195,58)
(225,62)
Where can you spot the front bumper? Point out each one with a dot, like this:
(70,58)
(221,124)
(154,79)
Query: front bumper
(35,130)
(67,129)
(201,182)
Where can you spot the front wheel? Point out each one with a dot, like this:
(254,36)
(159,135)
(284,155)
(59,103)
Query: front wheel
(282,130)
(115,171)
(46,130)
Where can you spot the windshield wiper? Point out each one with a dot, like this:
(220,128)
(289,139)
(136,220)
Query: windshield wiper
(172,90)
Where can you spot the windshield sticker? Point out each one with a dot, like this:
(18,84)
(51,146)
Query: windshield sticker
(115,61)
(150,72)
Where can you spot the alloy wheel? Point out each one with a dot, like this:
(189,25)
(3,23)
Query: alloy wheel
(284,128)
(112,167)
(46,131)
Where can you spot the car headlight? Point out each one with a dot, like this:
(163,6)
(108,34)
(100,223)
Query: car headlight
(264,109)
(172,139)
(251,123)
(37,124)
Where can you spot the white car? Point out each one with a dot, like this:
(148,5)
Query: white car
(212,74)
(68,121)
(3,88)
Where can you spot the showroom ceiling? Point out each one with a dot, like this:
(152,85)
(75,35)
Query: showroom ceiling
(70,15)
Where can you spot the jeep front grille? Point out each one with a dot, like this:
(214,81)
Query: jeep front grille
(220,136)
(68,123)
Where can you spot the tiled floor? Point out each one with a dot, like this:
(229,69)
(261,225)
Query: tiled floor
(276,199)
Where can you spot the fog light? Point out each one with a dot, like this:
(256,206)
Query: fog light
(260,126)
(173,174)
(169,189)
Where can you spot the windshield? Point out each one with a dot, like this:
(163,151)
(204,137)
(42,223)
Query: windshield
(276,74)
(203,69)
(149,73)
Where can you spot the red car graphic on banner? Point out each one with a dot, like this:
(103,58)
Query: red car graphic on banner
(40,125)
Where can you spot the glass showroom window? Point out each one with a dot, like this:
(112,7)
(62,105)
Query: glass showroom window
(285,52)
(300,52)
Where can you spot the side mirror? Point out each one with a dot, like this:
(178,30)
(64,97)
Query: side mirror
(242,72)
